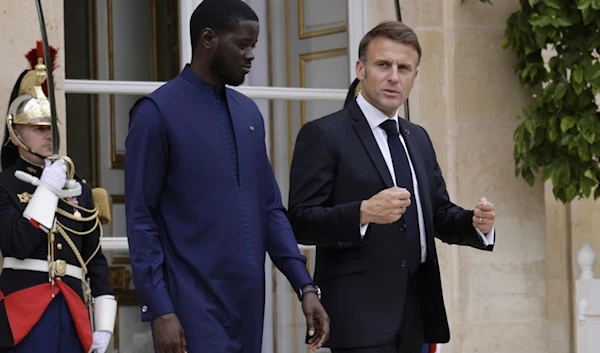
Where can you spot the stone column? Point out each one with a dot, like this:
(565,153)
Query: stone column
(467,97)
(569,227)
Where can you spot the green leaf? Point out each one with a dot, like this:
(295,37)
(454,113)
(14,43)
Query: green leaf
(556,175)
(553,62)
(583,151)
(593,72)
(586,186)
(587,15)
(525,72)
(552,135)
(567,122)
(588,174)
(540,21)
(583,4)
(565,173)
(570,192)
(597,192)
(528,176)
(578,75)
(540,39)
(530,125)
(533,2)
(589,135)
(561,22)
(566,140)
(547,173)
(552,3)
(578,88)
(539,137)
(560,91)
(596,4)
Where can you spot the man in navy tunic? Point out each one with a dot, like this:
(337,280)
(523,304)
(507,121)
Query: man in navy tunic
(203,207)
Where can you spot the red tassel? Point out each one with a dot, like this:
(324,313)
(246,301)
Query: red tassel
(38,52)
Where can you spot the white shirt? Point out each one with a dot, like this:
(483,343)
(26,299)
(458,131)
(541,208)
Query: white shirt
(374,118)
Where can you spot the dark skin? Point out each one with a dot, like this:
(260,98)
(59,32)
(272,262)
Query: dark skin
(317,321)
(225,59)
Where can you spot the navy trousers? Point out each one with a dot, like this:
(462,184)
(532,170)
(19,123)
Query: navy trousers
(54,333)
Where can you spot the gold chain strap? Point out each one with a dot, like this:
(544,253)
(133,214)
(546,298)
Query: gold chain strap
(71,216)
(87,232)
(73,247)
(87,291)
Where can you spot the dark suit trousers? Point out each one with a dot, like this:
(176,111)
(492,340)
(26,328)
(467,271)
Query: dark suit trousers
(409,338)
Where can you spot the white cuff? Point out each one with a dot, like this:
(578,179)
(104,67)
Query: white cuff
(489,238)
(42,207)
(105,313)
(363,230)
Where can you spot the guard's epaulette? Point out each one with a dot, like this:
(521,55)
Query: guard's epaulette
(100,196)
(101,202)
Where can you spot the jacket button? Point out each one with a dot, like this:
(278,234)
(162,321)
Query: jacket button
(403,227)
(144,309)
(403,263)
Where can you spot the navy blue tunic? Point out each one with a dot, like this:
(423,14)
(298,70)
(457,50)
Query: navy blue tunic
(203,209)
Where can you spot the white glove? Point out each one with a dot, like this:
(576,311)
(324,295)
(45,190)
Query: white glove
(100,341)
(54,175)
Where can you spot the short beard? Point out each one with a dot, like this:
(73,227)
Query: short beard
(217,66)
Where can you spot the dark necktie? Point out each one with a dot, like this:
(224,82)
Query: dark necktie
(409,223)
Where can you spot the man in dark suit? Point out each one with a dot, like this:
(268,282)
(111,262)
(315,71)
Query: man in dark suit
(366,189)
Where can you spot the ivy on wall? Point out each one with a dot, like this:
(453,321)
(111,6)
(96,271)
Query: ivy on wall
(559,136)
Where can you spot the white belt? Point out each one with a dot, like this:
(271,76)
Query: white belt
(61,267)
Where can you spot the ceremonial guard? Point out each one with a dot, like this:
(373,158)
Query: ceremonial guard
(55,294)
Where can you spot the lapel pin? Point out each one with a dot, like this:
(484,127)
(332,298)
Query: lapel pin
(407,131)
(251,128)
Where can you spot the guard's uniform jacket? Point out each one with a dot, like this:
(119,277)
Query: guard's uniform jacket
(25,294)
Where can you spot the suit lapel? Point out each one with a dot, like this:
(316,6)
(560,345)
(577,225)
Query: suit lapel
(365,134)
(416,158)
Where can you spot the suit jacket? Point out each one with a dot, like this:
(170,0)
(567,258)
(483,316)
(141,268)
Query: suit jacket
(336,165)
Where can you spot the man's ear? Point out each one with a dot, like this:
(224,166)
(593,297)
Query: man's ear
(360,70)
(415,76)
(208,39)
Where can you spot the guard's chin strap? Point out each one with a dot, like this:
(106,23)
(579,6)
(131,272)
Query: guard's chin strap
(11,131)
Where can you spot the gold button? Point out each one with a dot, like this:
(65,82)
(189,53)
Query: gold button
(59,246)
